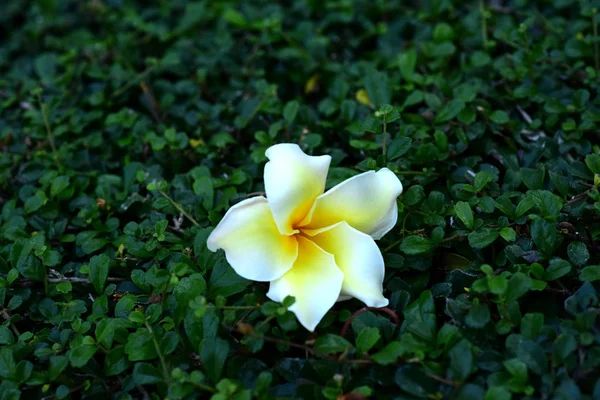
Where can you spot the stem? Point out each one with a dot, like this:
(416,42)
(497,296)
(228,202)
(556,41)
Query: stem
(57,277)
(384,140)
(595,28)
(234,307)
(6,315)
(135,81)
(386,310)
(179,208)
(204,387)
(484,35)
(266,321)
(163,362)
(50,134)
(417,173)
(457,236)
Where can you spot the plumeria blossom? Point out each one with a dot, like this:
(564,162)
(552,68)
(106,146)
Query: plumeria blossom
(318,247)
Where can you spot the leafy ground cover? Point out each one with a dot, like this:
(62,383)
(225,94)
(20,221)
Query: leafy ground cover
(128,128)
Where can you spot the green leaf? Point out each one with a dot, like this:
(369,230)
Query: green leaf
(498,284)
(482,179)
(564,345)
(518,285)
(45,67)
(116,362)
(377,86)
(389,354)
(464,212)
(224,281)
(508,234)
(290,111)
(593,163)
(6,336)
(367,338)
(498,393)
(590,274)
(398,148)
(329,344)
(544,236)
(98,271)
(533,178)
(413,380)
(140,346)
(407,61)
(56,366)
(203,187)
(531,325)
(478,316)
(81,354)
(524,205)
(482,237)
(213,354)
(461,360)
(35,202)
(146,374)
(578,253)
(58,185)
(449,111)
(413,245)
(499,117)
(105,332)
(557,269)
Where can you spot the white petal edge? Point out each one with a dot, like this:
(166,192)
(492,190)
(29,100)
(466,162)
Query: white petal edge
(359,258)
(314,280)
(366,202)
(293,180)
(253,245)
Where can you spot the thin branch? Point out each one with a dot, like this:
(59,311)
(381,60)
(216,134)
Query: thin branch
(179,208)
(6,315)
(161,357)
(57,277)
(50,134)
(453,237)
(386,310)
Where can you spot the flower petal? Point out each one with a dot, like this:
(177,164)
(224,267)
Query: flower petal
(367,202)
(293,180)
(359,258)
(252,243)
(314,280)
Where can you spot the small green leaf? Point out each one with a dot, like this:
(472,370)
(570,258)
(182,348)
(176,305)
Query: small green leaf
(367,338)
(290,111)
(557,269)
(482,179)
(544,236)
(213,354)
(590,274)
(508,234)
(98,271)
(330,343)
(593,163)
(389,354)
(578,253)
(482,237)
(499,117)
(413,245)
(449,111)
(478,316)
(464,213)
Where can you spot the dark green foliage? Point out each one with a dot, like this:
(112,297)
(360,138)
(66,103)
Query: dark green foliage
(128,128)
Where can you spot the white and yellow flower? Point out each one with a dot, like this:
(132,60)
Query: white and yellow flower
(318,247)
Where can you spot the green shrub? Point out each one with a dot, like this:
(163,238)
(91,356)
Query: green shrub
(128,128)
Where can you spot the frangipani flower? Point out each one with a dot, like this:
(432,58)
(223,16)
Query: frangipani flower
(318,247)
